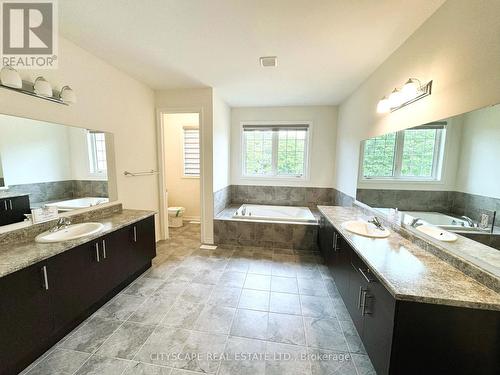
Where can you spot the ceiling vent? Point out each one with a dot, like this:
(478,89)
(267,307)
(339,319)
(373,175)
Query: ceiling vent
(268,61)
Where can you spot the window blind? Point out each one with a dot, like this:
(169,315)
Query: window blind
(191,152)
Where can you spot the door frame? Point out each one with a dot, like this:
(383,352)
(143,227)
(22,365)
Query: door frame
(162,180)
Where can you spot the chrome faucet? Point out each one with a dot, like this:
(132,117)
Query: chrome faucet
(244,211)
(415,222)
(469,221)
(376,221)
(62,223)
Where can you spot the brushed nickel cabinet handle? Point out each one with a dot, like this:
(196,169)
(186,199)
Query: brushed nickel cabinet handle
(98,258)
(5,204)
(359,296)
(45,278)
(135,233)
(365,276)
(363,305)
(104,249)
(10,204)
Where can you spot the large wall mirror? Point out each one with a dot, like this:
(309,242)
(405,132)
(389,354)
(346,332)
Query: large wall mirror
(444,174)
(44,164)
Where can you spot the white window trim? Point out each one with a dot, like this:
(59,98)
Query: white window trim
(275,177)
(101,175)
(193,127)
(438,163)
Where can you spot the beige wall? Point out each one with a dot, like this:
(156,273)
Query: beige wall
(108,100)
(182,191)
(322,152)
(457,47)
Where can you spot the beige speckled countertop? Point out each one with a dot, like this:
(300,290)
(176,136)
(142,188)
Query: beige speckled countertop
(409,272)
(16,256)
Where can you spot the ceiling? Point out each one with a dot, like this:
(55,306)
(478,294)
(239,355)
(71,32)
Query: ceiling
(325,48)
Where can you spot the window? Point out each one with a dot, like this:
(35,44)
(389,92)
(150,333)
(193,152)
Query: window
(191,151)
(414,154)
(96,142)
(275,150)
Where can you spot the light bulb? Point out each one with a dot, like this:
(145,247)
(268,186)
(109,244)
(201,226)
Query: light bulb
(42,87)
(67,95)
(383,105)
(10,77)
(410,89)
(395,99)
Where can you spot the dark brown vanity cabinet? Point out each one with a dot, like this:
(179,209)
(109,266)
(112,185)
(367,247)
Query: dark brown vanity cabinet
(12,210)
(42,303)
(403,337)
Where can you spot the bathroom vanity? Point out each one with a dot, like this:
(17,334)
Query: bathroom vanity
(13,207)
(47,289)
(415,313)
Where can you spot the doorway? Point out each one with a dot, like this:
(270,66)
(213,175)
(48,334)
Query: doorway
(180,174)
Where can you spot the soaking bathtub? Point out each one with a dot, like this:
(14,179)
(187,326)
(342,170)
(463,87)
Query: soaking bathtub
(74,204)
(274,213)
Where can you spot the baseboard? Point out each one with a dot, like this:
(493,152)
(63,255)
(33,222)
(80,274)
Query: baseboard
(190,218)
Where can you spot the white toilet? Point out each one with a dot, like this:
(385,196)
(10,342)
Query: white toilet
(175,216)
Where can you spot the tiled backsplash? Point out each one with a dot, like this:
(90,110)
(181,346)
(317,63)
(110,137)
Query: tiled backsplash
(279,196)
(61,190)
(453,202)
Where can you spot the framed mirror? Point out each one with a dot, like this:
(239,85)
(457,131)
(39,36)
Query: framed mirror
(444,175)
(51,165)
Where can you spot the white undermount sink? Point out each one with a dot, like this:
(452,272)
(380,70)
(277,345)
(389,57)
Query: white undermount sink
(366,229)
(71,232)
(437,233)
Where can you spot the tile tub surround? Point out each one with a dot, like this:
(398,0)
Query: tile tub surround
(279,196)
(222,199)
(411,273)
(264,234)
(453,202)
(59,190)
(18,255)
(126,335)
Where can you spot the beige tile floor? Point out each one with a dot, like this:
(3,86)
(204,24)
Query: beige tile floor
(230,311)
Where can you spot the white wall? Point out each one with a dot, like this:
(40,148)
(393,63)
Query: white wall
(34,151)
(222,143)
(322,152)
(108,100)
(458,48)
(182,191)
(197,100)
(479,171)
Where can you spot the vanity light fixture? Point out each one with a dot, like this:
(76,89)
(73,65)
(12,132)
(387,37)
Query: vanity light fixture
(67,95)
(10,77)
(410,92)
(41,88)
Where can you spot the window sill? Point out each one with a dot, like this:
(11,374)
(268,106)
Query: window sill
(274,178)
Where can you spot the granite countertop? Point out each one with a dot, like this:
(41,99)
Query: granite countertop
(16,256)
(409,272)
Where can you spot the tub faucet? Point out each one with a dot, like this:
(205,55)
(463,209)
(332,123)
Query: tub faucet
(415,222)
(244,211)
(375,221)
(469,221)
